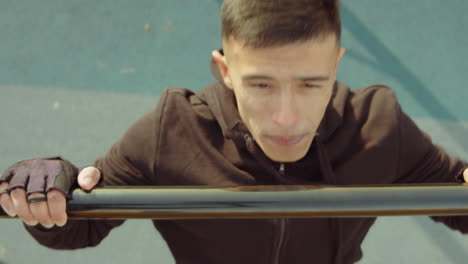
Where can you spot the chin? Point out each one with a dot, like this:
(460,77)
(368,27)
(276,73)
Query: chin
(285,159)
(286,156)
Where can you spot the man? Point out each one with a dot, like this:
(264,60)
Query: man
(276,116)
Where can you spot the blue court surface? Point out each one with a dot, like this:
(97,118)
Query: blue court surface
(75,74)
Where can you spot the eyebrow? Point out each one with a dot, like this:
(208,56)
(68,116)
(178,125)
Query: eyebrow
(304,79)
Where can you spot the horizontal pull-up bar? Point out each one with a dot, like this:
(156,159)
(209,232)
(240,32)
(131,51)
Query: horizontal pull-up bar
(198,202)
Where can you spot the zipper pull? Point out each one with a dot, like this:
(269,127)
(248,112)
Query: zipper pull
(281,169)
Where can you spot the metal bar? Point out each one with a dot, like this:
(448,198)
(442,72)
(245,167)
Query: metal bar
(198,202)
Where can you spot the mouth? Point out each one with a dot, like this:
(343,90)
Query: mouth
(286,141)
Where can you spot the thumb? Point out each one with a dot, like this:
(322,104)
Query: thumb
(465,175)
(88,178)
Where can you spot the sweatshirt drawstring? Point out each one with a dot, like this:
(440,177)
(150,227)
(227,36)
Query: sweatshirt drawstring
(328,175)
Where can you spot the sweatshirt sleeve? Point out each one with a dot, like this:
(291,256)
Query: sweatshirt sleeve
(130,161)
(421,161)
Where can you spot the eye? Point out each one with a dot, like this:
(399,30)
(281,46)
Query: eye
(311,85)
(260,85)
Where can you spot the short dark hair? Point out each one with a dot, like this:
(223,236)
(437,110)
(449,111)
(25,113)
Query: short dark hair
(266,23)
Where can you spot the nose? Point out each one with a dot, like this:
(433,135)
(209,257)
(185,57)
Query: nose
(286,114)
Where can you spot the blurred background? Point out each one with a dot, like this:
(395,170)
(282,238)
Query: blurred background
(74,75)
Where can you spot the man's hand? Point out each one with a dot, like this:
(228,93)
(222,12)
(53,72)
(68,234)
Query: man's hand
(47,208)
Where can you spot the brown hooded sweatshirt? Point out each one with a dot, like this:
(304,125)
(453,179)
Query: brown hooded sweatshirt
(199,139)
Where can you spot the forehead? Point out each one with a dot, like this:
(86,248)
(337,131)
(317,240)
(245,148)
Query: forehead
(318,52)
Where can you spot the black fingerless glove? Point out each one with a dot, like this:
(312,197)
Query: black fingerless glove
(42,175)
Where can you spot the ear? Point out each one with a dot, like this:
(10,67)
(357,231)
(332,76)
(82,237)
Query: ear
(341,52)
(220,61)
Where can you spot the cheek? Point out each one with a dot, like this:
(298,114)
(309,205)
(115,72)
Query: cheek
(313,107)
(253,111)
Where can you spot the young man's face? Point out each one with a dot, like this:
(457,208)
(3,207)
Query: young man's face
(281,92)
